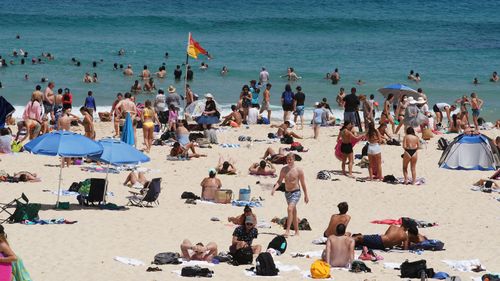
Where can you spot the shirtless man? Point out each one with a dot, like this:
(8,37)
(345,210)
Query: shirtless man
(179,151)
(263,168)
(342,218)
(394,236)
(189,95)
(240,220)
(283,130)
(145,73)
(48,101)
(266,101)
(114,112)
(339,250)
(198,252)
(476,105)
(210,185)
(233,119)
(340,98)
(64,122)
(128,71)
(125,106)
(37,94)
(294,180)
(276,158)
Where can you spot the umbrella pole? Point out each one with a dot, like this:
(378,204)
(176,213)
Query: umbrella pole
(60,180)
(106,185)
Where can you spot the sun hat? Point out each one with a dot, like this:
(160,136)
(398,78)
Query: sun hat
(421,100)
(171,89)
(411,100)
(208,95)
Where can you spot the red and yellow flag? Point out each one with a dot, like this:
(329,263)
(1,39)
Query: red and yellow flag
(194,48)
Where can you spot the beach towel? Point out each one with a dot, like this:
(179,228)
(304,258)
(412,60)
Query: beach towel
(391,265)
(48,221)
(307,275)
(320,241)
(338,153)
(238,203)
(419,181)
(19,271)
(196,263)
(176,158)
(129,261)
(463,265)
(97,169)
(229,145)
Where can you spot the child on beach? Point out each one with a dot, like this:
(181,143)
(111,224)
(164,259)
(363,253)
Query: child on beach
(173,115)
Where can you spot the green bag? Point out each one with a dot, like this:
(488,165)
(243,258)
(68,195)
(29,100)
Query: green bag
(85,188)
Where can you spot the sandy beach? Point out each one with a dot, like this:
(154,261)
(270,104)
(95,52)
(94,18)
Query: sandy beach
(468,221)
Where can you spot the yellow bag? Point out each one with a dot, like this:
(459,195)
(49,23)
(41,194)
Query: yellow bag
(320,270)
(16,146)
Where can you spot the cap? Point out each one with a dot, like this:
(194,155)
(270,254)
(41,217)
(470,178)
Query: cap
(249,219)
(212,171)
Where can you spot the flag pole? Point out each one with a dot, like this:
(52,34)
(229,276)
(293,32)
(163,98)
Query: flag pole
(185,73)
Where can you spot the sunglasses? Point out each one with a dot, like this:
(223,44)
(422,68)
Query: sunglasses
(249,224)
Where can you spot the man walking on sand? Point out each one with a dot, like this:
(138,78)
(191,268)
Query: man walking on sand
(294,179)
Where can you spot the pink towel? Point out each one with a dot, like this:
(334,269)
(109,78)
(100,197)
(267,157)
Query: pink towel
(388,221)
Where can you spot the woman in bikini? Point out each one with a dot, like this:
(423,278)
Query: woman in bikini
(374,152)
(88,123)
(410,146)
(7,257)
(386,117)
(347,137)
(149,119)
(455,125)
(400,111)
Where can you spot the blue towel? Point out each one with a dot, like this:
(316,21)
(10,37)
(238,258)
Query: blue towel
(245,203)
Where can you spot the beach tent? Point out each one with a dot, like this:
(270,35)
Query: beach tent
(470,152)
(6,109)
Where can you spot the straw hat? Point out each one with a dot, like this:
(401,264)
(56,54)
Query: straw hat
(421,100)
(171,89)
(411,100)
(208,95)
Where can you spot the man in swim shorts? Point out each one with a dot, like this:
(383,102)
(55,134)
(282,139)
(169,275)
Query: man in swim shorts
(394,236)
(294,179)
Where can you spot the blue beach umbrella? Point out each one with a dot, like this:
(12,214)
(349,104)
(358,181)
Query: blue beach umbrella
(116,152)
(128,131)
(398,90)
(63,144)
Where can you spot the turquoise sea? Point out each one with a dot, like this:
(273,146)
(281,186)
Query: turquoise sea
(447,42)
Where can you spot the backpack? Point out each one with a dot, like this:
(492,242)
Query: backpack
(430,245)
(265,265)
(287,98)
(196,271)
(286,140)
(359,266)
(320,270)
(412,269)
(166,258)
(189,195)
(443,144)
(278,243)
(243,256)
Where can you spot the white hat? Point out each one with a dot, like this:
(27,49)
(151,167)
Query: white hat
(171,89)
(208,95)
(316,103)
(411,100)
(421,100)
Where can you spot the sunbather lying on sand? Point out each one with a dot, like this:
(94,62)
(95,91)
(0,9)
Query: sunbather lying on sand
(486,183)
(198,252)
(240,220)
(179,151)
(395,236)
(278,158)
(22,176)
(263,168)
(226,166)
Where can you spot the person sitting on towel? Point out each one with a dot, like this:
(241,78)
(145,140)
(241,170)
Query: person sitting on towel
(244,235)
(136,179)
(395,236)
(240,220)
(210,185)
(339,251)
(283,131)
(341,218)
(198,252)
(263,168)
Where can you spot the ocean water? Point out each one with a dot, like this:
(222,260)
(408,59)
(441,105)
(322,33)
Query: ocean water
(447,42)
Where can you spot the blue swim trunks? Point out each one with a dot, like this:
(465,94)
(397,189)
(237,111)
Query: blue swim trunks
(299,110)
(293,197)
(373,242)
(475,112)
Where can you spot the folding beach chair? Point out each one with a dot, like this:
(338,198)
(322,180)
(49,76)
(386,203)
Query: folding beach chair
(4,208)
(153,192)
(96,192)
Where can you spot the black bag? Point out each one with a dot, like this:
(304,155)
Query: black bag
(359,266)
(196,271)
(243,256)
(195,136)
(167,258)
(271,136)
(412,269)
(75,186)
(390,179)
(364,150)
(265,265)
(278,243)
(189,195)
(443,143)
(286,140)
(167,135)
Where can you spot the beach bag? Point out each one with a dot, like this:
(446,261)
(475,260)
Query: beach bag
(320,270)
(223,196)
(412,269)
(243,256)
(443,144)
(390,179)
(278,243)
(286,140)
(196,271)
(429,245)
(166,258)
(265,265)
(359,266)
(189,195)
(323,175)
(297,146)
(16,146)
